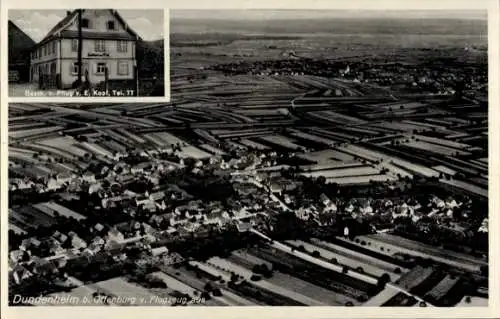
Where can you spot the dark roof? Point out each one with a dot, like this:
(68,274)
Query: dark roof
(97,35)
(61,23)
(19,45)
(52,33)
(18,40)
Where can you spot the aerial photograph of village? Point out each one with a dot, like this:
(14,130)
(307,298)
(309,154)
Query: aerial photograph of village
(306,158)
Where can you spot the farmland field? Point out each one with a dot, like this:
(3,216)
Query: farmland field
(365,179)
(326,155)
(398,244)
(381,264)
(344,172)
(435,148)
(193,152)
(282,141)
(51,207)
(368,268)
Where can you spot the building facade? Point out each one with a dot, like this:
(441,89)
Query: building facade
(107,43)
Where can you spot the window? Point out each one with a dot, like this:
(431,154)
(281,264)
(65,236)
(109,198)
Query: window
(53,68)
(86,23)
(122,46)
(100,46)
(44,50)
(101,68)
(122,68)
(74,45)
(54,47)
(74,68)
(111,25)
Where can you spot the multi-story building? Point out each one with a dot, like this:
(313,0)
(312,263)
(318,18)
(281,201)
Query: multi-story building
(107,42)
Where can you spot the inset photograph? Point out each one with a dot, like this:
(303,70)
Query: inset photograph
(86,52)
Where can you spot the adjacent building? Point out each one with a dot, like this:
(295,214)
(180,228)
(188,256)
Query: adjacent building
(20,45)
(107,43)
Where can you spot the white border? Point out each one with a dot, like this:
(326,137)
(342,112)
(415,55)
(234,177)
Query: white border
(270,312)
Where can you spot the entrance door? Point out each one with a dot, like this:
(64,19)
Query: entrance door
(86,72)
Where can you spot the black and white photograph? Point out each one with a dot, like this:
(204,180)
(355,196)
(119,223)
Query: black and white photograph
(334,158)
(86,53)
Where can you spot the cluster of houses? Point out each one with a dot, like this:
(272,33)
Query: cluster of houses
(37,256)
(183,220)
(257,181)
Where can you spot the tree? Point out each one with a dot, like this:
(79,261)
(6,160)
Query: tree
(205,295)
(321,180)
(234,277)
(385,278)
(397,270)
(484,270)
(208,287)
(257,269)
(216,292)
(316,254)
(349,304)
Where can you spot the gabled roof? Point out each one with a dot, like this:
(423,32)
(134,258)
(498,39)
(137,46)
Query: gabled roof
(19,42)
(71,16)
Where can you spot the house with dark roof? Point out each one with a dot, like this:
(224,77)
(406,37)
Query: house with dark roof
(20,45)
(108,44)
(20,273)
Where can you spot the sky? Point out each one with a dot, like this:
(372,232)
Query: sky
(230,14)
(37,23)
